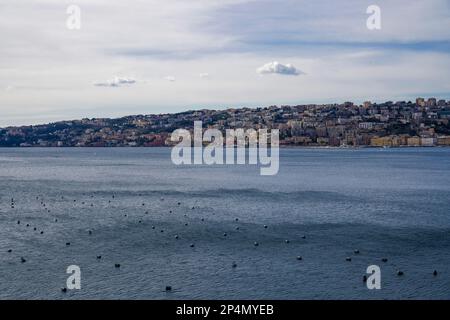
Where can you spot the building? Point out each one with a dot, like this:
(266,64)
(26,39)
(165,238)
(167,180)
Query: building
(413,141)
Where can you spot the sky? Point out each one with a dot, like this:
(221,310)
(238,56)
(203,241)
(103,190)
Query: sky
(164,56)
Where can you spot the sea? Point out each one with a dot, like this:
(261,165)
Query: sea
(135,224)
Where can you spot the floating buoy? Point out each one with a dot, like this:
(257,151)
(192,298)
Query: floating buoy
(234,265)
(117,265)
(384,260)
(64,290)
(356,251)
(400,273)
(256,244)
(299,258)
(435,273)
(168,288)
(348,259)
(22,259)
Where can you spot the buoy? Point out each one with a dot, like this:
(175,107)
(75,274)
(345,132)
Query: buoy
(99,257)
(384,259)
(64,290)
(356,251)
(234,265)
(168,288)
(364,278)
(400,273)
(256,244)
(435,273)
(67,243)
(192,245)
(287,241)
(117,265)
(299,258)
(22,259)
(348,259)
(9,250)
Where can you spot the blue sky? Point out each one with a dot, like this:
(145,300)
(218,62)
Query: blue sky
(157,56)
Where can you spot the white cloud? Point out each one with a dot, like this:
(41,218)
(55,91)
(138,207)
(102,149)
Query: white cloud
(204,75)
(278,68)
(170,78)
(115,82)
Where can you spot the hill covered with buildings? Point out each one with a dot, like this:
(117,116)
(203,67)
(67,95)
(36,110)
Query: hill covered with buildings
(420,123)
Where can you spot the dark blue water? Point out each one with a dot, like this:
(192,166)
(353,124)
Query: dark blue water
(386,203)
